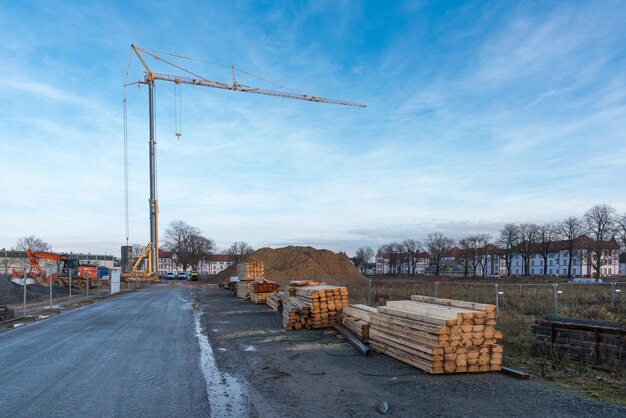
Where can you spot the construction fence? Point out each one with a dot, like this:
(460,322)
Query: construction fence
(518,305)
(25,297)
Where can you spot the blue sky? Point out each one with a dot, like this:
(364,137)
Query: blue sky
(479,113)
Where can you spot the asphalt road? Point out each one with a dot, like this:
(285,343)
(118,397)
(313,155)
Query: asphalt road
(134,355)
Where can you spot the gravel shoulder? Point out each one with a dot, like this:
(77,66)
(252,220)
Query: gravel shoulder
(315,374)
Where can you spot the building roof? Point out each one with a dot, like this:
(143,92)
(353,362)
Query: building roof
(165,254)
(219,257)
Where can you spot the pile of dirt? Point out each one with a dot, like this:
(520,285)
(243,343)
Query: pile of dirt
(299,263)
(12,293)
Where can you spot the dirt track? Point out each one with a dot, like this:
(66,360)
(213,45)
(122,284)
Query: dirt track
(312,374)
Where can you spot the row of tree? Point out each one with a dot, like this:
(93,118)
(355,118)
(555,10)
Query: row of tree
(191,247)
(187,241)
(601,224)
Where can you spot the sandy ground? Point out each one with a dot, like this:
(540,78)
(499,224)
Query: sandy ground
(315,374)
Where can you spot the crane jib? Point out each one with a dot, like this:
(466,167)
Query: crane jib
(239,87)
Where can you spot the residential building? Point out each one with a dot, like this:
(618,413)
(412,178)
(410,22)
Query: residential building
(558,260)
(402,264)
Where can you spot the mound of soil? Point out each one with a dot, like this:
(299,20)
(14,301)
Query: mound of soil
(299,263)
(11,293)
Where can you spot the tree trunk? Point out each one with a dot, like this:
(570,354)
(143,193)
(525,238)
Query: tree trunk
(569,263)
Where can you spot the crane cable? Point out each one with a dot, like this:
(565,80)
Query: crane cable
(178,110)
(126,181)
(232,67)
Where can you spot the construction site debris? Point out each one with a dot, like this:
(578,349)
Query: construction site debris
(438,335)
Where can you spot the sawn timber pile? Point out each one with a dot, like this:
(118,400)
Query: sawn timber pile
(247,273)
(316,306)
(356,319)
(299,263)
(438,335)
(261,289)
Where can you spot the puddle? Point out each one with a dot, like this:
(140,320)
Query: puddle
(249,348)
(225,392)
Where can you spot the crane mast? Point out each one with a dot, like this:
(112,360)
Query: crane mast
(149,79)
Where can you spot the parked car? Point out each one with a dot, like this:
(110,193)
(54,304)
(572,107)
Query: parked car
(170,276)
(194,276)
(182,275)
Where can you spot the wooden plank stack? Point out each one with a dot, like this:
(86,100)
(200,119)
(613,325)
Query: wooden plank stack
(317,306)
(438,335)
(275,301)
(247,273)
(243,289)
(356,319)
(251,270)
(261,289)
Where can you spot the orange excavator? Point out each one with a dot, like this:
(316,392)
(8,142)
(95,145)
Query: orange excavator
(60,275)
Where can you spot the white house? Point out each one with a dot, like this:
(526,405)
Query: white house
(558,260)
(384,266)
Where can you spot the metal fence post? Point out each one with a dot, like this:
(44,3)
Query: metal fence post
(556,299)
(24,285)
(87,287)
(50,286)
(436,289)
(70,276)
(369,290)
(612,294)
(497,298)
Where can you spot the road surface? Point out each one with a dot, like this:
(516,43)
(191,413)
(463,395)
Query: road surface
(135,355)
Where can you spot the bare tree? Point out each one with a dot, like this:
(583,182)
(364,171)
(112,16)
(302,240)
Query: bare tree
(412,248)
(394,252)
(482,241)
(546,235)
(508,240)
(620,229)
(568,230)
(467,247)
(238,251)
(599,222)
(187,241)
(32,243)
(364,255)
(437,246)
(528,236)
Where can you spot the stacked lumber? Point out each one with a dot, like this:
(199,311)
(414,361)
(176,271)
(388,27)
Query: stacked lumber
(356,319)
(317,306)
(296,315)
(261,289)
(247,272)
(295,284)
(438,335)
(326,303)
(243,289)
(275,301)
(251,270)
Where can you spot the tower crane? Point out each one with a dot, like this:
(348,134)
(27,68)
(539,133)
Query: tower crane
(150,77)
